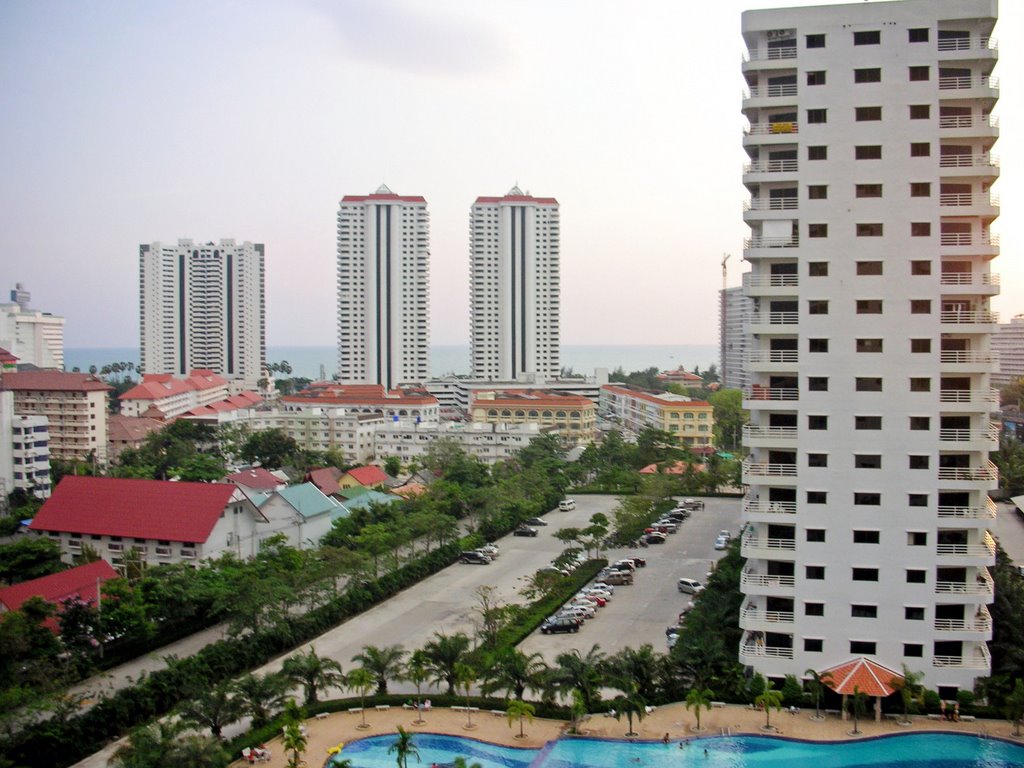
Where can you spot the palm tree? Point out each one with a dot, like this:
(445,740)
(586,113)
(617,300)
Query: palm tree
(443,653)
(382,663)
(909,687)
(312,672)
(260,696)
(519,709)
(637,668)
(858,708)
(403,747)
(582,673)
(769,698)
(513,671)
(150,746)
(465,676)
(293,739)
(201,752)
(417,673)
(1014,707)
(697,699)
(360,680)
(460,762)
(630,705)
(214,708)
(817,683)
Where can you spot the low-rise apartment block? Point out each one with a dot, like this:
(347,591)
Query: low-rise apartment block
(691,421)
(572,417)
(489,443)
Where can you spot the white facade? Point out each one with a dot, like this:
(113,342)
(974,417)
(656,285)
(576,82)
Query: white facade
(1008,345)
(870,397)
(201,306)
(383,289)
(515,294)
(34,337)
(30,454)
(488,442)
(454,393)
(734,337)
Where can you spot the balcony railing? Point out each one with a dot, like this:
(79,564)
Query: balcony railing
(771,242)
(756,506)
(985,512)
(770,281)
(776,166)
(966,550)
(162,551)
(773,54)
(968,356)
(960,239)
(968,81)
(754,432)
(764,580)
(981,622)
(968,278)
(766,469)
(963,199)
(969,317)
(768,129)
(753,649)
(756,542)
(963,588)
(782,356)
(968,44)
(760,392)
(968,121)
(979,659)
(772,90)
(983,160)
(987,473)
(990,432)
(774,318)
(970,396)
(770,203)
(766,617)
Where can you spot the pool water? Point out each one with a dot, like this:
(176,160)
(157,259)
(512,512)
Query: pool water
(920,750)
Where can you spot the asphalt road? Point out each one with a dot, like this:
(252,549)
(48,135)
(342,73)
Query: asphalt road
(1009,529)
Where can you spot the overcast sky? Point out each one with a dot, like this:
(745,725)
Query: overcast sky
(130,122)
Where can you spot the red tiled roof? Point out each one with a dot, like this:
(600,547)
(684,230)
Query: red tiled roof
(368,476)
(392,196)
(869,677)
(518,199)
(652,397)
(410,490)
(331,393)
(143,509)
(6,356)
(675,468)
(529,398)
(326,479)
(257,478)
(54,381)
(80,582)
(130,429)
(156,386)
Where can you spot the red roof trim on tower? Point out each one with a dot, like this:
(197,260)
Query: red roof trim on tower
(53,381)
(393,197)
(517,199)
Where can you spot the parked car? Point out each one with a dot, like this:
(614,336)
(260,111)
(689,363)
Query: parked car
(721,543)
(536,521)
(671,640)
(565,505)
(618,578)
(638,562)
(679,515)
(586,597)
(605,592)
(552,569)
(491,550)
(656,537)
(624,566)
(524,530)
(579,611)
(557,624)
(690,586)
(724,534)
(474,558)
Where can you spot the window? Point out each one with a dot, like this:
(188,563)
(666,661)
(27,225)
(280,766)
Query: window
(867,422)
(920,229)
(913,613)
(869,268)
(868,190)
(862,647)
(864,611)
(863,499)
(816,534)
(917,499)
(867,114)
(817,268)
(816,572)
(915,576)
(917,35)
(814,609)
(817,345)
(920,111)
(920,306)
(920,189)
(816,78)
(920,268)
(817,230)
(918,462)
(920,423)
(919,74)
(817,383)
(817,153)
(817,497)
(917,539)
(872,37)
(817,192)
(813,645)
(815,41)
(817,422)
(865,574)
(920,149)
(865,537)
(868,152)
(869,346)
(867,461)
(920,385)
(817,307)
(817,459)
(913,649)
(871,229)
(817,115)
(869,306)
(867,75)
(868,384)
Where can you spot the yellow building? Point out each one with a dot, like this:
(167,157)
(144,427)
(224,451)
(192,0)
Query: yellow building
(571,416)
(691,421)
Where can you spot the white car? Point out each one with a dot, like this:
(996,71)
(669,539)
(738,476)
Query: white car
(597,592)
(579,611)
(567,504)
(491,550)
(603,587)
(721,543)
(690,586)
(724,534)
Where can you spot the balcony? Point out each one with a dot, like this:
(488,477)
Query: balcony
(754,507)
(949,554)
(770,133)
(785,359)
(754,435)
(762,584)
(969,87)
(967,283)
(760,472)
(973,399)
(982,585)
(752,243)
(988,473)
(771,91)
(757,59)
(771,203)
(749,651)
(985,439)
(770,621)
(974,45)
(981,622)
(977,658)
(774,166)
(985,512)
(762,548)
(982,165)
(985,205)
(969,318)
(162,551)
(774,322)
(770,285)
(758,393)
(967,361)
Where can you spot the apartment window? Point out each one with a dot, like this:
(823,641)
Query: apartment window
(817,268)
(869,346)
(815,41)
(919,74)
(868,152)
(913,650)
(814,645)
(817,230)
(869,306)
(915,576)
(817,192)
(920,385)
(920,229)
(872,37)
(817,153)
(865,574)
(867,422)
(920,268)
(817,497)
(920,423)
(867,114)
(867,461)
(862,647)
(868,384)
(920,306)
(816,534)
(817,307)
(816,572)
(814,609)
(868,190)
(817,383)
(817,422)
(866,499)
(913,613)
(920,111)
(869,268)
(918,462)
(817,345)
(917,539)
(917,499)
(917,35)
(817,115)
(817,459)
(872,75)
(864,611)
(865,537)
(816,78)
(869,229)
(920,149)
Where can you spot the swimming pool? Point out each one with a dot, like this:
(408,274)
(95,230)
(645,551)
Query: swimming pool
(918,750)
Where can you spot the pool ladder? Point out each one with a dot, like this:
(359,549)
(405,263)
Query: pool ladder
(727,731)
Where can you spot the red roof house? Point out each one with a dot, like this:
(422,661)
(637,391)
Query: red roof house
(368,477)
(326,479)
(256,478)
(81,582)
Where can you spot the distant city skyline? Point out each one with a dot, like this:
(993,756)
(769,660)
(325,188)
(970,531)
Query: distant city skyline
(630,115)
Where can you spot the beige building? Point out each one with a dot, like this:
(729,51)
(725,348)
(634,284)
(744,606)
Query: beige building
(572,417)
(691,421)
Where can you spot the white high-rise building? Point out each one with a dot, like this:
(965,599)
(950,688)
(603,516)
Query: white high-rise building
(201,308)
(34,337)
(870,400)
(734,337)
(515,296)
(1008,344)
(383,289)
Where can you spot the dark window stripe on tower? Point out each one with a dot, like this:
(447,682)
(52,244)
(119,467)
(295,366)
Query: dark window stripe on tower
(376,281)
(182,304)
(387,296)
(522,288)
(231,312)
(512,293)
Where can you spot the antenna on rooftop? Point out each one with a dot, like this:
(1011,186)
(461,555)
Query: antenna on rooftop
(725,258)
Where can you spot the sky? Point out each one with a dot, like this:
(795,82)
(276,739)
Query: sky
(127,123)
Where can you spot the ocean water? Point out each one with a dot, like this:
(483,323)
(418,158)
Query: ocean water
(306,361)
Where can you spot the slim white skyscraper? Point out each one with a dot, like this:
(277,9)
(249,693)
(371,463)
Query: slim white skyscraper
(201,307)
(34,337)
(515,295)
(734,337)
(383,289)
(870,400)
